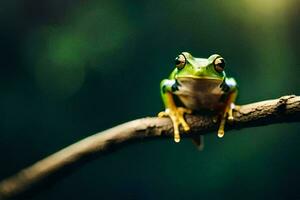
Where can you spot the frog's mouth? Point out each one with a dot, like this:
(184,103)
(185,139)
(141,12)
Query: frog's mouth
(199,77)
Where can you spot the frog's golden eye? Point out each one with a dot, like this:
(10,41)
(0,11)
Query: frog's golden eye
(180,61)
(219,64)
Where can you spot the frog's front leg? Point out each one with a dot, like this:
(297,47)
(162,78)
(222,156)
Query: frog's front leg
(167,88)
(229,105)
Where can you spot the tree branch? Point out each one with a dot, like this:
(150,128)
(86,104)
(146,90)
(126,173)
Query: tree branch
(50,169)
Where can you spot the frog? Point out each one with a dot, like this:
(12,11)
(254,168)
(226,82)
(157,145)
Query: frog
(198,84)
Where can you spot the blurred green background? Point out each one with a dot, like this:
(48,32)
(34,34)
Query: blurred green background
(72,68)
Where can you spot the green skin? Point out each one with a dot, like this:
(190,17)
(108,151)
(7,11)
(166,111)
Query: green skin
(198,86)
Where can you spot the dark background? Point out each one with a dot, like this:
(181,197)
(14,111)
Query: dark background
(72,68)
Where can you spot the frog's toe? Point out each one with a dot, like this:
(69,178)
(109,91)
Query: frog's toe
(177,138)
(181,112)
(230,112)
(230,118)
(162,114)
(185,126)
(220,133)
(184,110)
(176,131)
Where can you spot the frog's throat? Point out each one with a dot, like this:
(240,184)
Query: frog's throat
(199,77)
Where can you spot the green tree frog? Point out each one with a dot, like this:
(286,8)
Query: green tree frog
(198,84)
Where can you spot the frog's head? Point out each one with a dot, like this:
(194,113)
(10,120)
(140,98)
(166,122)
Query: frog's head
(188,66)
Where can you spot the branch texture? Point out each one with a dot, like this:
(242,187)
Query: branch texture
(57,165)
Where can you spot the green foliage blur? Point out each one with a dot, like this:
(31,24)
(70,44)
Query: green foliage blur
(72,68)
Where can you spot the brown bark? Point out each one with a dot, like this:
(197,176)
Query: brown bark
(43,172)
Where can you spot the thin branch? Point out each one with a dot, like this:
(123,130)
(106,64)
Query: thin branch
(57,165)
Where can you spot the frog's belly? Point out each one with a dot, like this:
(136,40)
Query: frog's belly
(198,94)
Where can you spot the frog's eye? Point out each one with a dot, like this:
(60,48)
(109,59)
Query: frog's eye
(219,64)
(180,61)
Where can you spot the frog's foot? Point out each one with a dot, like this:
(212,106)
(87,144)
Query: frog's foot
(177,117)
(230,116)
(232,107)
(221,133)
(227,115)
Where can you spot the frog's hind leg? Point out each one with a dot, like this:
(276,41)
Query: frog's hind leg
(227,113)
